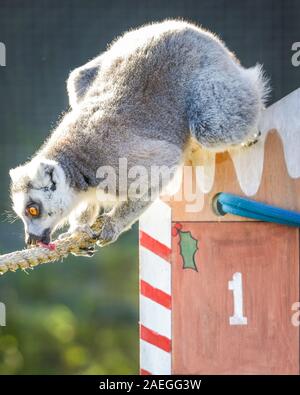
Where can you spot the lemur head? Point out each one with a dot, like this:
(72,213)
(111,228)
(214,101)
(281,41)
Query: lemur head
(41,198)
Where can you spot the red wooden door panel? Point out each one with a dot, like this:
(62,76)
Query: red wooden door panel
(204,341)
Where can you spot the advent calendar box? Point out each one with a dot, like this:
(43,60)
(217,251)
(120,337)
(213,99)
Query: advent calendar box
(220,294)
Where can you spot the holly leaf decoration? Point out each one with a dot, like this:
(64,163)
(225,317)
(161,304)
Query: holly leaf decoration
(188,248)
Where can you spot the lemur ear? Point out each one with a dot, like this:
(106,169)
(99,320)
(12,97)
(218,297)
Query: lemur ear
(81,79)
(16,173)
(47,174)
(38,173)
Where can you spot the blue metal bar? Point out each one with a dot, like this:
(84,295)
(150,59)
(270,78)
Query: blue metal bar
(227,203)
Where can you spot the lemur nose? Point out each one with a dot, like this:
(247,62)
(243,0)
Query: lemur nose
(46,236)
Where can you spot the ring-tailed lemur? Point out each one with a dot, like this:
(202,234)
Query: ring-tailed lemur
(142,100)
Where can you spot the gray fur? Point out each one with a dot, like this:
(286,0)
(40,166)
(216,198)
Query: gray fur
(143,99)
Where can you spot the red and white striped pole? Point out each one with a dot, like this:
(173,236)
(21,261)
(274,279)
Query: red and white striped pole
(155,290)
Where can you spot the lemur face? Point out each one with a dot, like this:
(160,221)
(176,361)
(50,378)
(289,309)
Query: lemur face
(41,198)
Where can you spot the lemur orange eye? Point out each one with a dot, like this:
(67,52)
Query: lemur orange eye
(33,210)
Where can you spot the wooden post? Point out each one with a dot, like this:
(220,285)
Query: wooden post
(220,295)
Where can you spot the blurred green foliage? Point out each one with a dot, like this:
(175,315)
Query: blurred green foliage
(81,316)
(75,317)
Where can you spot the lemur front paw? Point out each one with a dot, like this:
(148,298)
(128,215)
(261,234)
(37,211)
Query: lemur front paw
(108,233)
(86,252)
(78,229)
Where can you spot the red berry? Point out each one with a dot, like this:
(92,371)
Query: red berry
(178,226)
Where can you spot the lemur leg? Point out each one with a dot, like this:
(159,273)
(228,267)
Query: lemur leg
(159,161)
(81,220)
(121,218)
(223,111)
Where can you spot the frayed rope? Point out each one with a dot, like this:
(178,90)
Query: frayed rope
(29,258)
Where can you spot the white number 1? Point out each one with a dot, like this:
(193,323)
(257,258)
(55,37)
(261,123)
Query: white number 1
(235,285)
